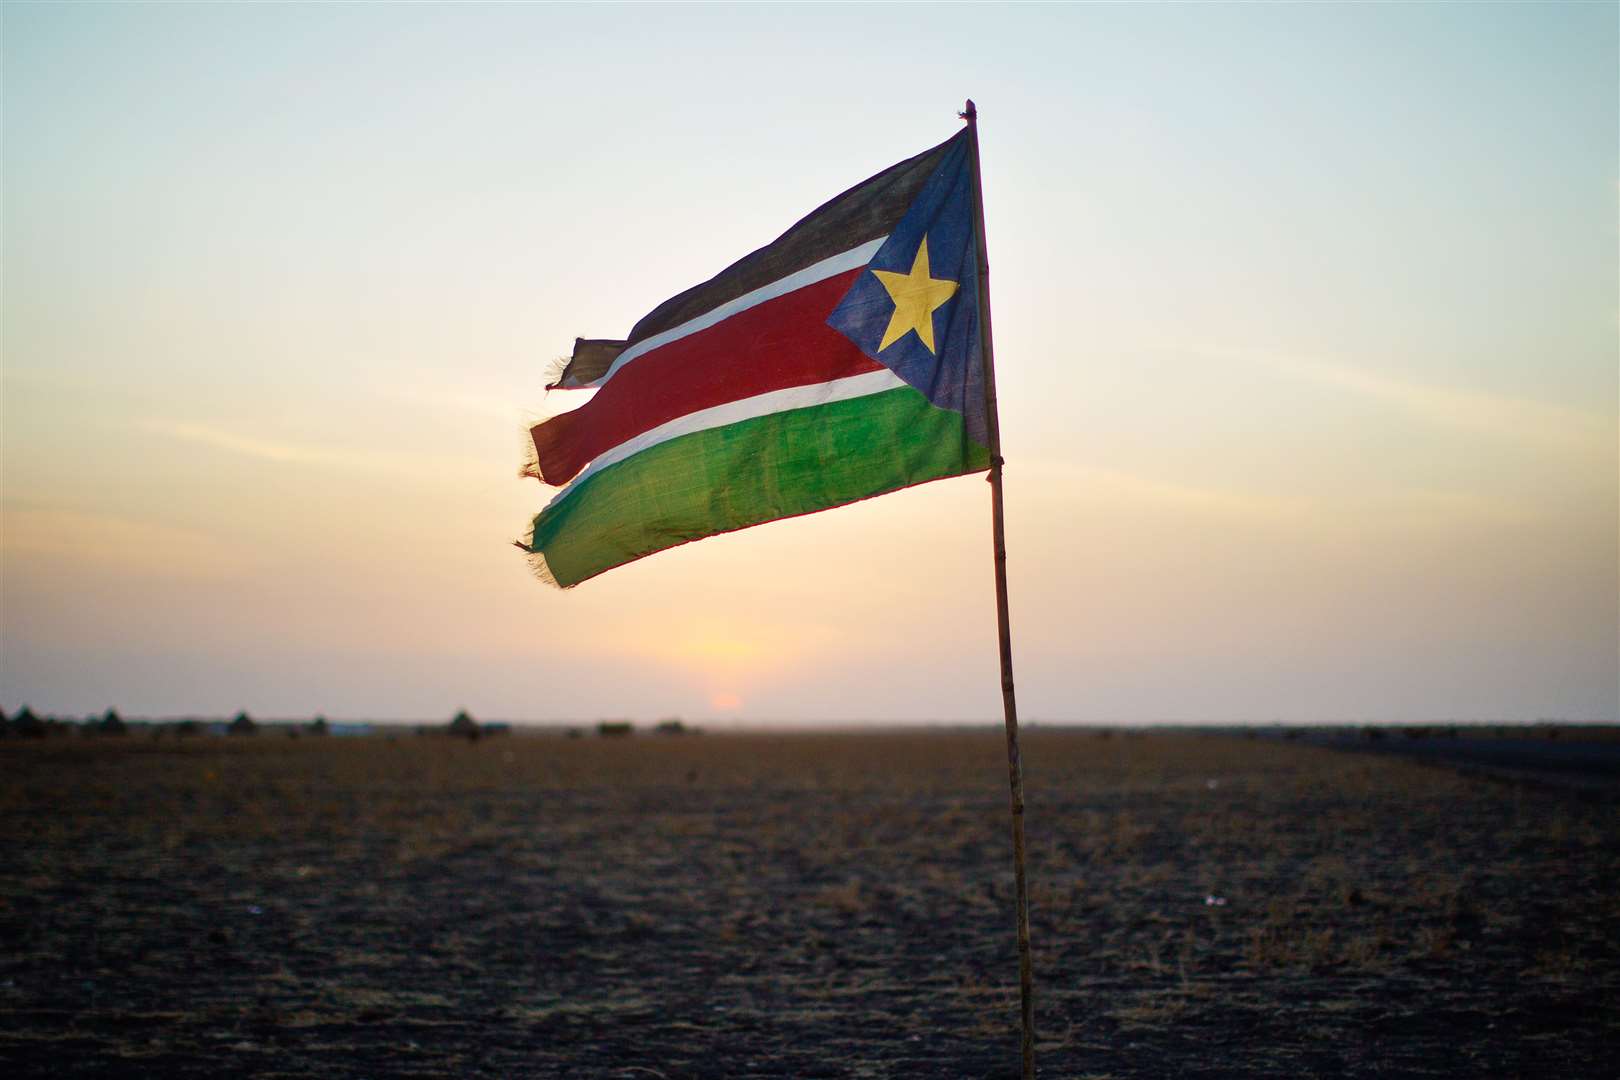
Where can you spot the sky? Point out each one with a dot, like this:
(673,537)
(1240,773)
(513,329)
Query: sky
(1306,336)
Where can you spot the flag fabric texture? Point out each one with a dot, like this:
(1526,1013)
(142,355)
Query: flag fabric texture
(840,362)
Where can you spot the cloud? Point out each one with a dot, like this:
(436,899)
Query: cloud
(76,540)
(262,449)
(289,453)
(1523,420)
(1404,506)
(1119,485)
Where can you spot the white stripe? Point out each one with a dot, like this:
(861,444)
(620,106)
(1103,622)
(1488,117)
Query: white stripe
(732,412)
(826,268)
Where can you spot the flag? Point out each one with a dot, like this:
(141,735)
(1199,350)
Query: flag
(839,362)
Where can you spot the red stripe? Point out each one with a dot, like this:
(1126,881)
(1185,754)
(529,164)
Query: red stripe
(771,346)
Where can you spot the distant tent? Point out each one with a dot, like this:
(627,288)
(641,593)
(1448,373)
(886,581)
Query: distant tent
(242,725)
(112,724)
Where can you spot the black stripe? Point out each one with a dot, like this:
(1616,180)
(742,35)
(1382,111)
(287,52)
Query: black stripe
(592,357)
(865,212)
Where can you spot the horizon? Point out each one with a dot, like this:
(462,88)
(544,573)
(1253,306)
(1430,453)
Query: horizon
(770,725)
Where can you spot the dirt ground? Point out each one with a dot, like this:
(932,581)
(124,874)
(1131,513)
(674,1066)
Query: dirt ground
(794,906)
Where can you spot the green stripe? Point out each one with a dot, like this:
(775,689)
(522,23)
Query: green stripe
(758,470)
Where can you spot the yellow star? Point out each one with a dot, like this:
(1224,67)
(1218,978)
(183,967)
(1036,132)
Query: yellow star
(915,297)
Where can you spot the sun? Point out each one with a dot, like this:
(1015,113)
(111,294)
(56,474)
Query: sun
(725,700)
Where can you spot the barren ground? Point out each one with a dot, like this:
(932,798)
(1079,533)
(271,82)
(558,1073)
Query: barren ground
(794,906)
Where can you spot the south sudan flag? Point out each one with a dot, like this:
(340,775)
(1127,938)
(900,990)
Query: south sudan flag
(841,361)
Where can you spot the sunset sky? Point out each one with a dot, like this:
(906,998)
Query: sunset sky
(1306,337)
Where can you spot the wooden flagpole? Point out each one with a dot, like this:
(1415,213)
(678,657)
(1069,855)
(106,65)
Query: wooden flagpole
(998,540)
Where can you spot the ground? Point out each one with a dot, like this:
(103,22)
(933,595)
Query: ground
(794,906)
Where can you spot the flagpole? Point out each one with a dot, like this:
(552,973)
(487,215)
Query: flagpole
(998,540)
